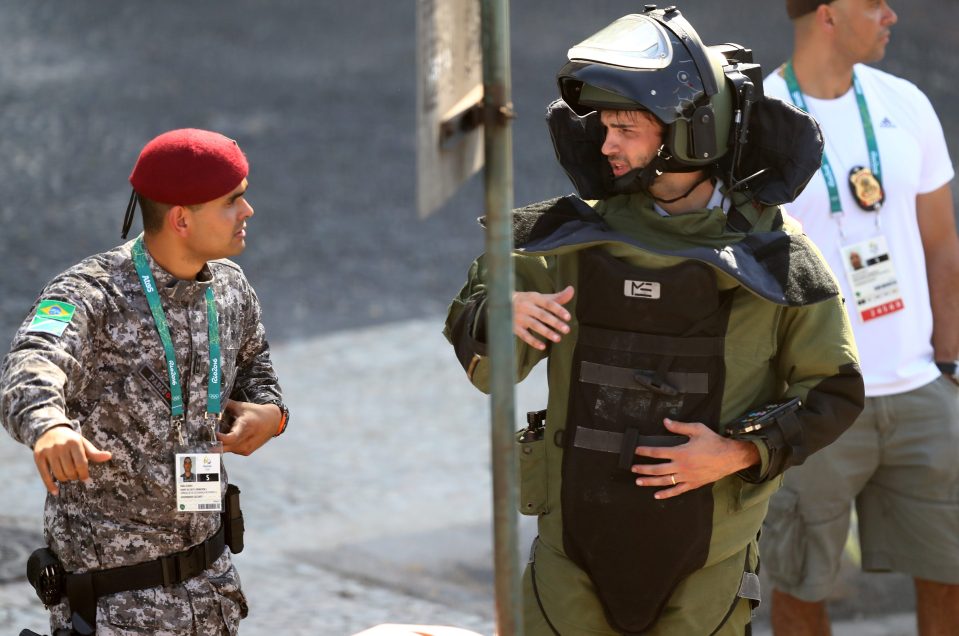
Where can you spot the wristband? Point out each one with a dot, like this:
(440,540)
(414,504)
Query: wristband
(284,418)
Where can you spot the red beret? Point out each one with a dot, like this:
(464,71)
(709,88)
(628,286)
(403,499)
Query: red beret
(188,167)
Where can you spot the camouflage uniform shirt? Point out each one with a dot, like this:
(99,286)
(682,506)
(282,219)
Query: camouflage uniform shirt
(105,376)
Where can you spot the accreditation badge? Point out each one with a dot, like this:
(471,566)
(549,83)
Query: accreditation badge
(197,476)
(872,277)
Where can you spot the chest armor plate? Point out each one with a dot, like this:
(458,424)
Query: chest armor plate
(650,346)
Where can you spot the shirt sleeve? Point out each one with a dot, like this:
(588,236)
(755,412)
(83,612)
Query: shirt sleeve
(819,363)
(937,167)
(466,319)
(256,379)
(43,369)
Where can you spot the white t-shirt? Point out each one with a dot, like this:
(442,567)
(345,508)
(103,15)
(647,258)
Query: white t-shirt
(896,349)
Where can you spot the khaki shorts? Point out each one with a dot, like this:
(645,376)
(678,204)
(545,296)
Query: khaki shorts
(900,463)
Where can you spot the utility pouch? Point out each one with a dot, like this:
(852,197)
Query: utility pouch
(531,464)
(45,573)
(232,519)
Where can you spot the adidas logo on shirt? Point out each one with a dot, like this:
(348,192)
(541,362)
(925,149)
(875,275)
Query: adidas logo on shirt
(886,123)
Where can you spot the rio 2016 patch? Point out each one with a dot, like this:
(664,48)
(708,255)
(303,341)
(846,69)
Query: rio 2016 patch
(52,316)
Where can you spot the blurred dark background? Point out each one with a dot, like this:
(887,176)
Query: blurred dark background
(320,95)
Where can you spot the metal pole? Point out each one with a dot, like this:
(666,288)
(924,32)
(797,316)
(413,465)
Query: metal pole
(498,148)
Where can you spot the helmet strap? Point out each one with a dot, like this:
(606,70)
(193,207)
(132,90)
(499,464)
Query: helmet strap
(707,176)
(641,179)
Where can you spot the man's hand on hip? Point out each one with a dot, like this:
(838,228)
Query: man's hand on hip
(543,314)
(61,455)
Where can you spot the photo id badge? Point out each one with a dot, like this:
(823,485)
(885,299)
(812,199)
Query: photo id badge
(197,482)
(872,277)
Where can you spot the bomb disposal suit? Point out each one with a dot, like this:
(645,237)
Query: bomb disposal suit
(697,317)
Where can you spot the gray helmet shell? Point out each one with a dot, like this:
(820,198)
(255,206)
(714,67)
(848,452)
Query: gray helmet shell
(655,62)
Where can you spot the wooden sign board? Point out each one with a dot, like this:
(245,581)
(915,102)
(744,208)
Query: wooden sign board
(449,76)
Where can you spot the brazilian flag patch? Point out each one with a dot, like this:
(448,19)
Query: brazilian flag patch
(52,316)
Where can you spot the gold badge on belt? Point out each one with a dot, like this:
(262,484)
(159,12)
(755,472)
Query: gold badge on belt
(866,189)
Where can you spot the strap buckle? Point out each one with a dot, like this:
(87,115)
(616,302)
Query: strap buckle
(179,567)
(170,569)
(655,384)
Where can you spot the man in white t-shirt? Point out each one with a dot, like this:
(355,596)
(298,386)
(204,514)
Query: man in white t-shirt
(881,211)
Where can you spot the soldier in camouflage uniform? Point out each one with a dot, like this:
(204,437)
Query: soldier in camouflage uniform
(669,300)
(85,385)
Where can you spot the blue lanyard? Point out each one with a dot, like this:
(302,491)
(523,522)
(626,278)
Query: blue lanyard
(795,94)
(148,283)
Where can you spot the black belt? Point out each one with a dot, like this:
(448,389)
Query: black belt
(83,590)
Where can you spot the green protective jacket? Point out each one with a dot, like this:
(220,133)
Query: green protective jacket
(699,317)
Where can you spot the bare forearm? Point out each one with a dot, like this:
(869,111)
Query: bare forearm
(937,227)
(943,274)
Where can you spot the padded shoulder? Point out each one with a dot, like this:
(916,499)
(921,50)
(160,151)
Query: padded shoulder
(539,220)
(793,261)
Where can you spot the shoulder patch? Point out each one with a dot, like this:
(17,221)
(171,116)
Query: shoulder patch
(52,316)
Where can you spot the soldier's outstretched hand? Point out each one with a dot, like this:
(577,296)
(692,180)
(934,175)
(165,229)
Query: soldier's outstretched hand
(62,455)
(543,314)
(252,426)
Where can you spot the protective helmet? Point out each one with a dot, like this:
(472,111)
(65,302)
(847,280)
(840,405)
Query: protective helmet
(656,62)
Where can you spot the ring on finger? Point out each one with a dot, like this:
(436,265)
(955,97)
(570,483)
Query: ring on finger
(673,479)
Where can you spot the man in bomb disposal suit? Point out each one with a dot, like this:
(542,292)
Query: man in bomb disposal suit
(672,299)
(129,362)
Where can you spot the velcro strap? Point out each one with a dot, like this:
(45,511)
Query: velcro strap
(626,378)
(793,435)
(693,347)
(610,442)
(597,440)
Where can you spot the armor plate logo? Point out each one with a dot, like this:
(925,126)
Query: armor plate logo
(642,289)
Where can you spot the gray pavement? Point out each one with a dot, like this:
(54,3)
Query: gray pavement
(374,507)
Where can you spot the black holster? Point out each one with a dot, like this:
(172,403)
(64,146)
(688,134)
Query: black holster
(232,519)
(45,573)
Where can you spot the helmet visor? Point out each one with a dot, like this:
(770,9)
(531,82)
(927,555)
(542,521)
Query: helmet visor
(633,41)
